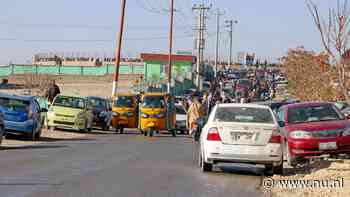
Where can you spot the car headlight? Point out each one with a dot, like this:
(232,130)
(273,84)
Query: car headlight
(300,134)
(115,114)
(346,132)
(145,115)
(81,115)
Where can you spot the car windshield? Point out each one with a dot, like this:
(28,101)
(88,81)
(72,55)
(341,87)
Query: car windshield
(313,114)
(14,105)
(71,102)
(243,114)
(153,102)
(97,103)
(123,101)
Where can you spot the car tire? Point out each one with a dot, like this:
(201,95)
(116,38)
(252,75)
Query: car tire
(2,130)
(291,161)
(268,170)
(173,133)
(145,133)
(205,167)
(151,132)
(121,130)
(278,169)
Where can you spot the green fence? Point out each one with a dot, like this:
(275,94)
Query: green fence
(68,70)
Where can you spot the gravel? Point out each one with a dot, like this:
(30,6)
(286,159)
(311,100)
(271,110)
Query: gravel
(320,170)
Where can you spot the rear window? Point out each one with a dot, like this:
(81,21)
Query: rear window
(314,114)
(14,104)
(72,102)
(243,114)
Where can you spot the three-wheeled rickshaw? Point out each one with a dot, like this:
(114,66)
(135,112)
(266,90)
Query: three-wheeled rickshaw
(157,114)
(125,112)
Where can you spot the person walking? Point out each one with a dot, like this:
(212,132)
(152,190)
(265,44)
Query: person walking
(52,91)
(194,113)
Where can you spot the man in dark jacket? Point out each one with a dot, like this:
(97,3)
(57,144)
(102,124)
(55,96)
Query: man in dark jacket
(52,91)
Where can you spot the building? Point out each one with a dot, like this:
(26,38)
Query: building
(156,66)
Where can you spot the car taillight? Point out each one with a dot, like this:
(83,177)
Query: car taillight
(276,136)
(213,135)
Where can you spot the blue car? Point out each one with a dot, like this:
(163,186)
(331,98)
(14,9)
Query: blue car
(22,115)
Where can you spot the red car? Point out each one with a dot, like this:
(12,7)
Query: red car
(313,130)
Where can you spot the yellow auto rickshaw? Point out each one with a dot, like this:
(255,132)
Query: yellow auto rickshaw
(157,113)
(125,112)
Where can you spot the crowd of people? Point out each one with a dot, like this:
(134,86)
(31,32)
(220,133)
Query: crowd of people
(200,104)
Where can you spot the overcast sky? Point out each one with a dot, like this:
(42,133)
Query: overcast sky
(267,27)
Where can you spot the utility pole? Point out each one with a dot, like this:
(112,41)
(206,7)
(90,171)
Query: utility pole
(200,43)
(218,14)
(171,24)
(230,26)
(119,47)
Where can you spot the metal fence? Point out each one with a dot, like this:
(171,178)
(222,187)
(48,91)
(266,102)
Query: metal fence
(68,70)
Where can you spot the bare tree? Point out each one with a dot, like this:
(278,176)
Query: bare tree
(334,30)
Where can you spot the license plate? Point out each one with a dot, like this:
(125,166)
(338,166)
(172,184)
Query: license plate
(237,136)
(328,146)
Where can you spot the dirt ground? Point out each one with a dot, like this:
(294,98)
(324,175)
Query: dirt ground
(326,171)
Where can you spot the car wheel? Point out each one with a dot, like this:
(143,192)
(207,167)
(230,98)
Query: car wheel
(205,167)
(278,169)
(173,133)
(151,132)
(121,129)
(268,170)
(1,134)
(145,133)
(290,160)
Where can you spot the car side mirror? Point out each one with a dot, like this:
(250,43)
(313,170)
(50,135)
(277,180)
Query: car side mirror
(281,123)
(44,110)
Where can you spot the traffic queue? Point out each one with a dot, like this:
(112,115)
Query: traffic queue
(235,120)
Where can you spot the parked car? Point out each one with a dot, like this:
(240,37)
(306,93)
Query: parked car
(312,130)
(22,115)
(70,112)
(241,133)
(102,112)
(2,127)
(181,116)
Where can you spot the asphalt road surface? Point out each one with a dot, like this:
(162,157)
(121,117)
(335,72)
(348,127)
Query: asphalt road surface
(119,165)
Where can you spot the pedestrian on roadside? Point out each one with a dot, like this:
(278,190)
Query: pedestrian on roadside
(194,113)
(52,91)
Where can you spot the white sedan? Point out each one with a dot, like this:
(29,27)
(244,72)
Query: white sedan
(241,133)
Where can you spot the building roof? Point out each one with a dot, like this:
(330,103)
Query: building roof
(164,57)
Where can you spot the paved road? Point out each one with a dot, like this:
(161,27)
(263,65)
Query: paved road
(118,165)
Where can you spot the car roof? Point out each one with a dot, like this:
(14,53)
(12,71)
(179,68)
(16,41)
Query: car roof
(17,97)
(246,105)
(306,104)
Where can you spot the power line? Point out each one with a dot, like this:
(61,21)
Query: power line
(77,40)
